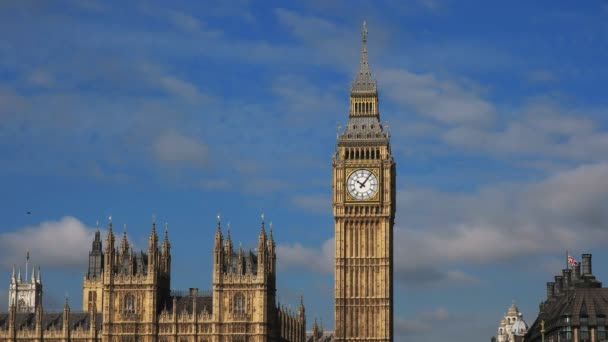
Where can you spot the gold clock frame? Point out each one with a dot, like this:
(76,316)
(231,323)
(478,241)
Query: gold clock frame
(349,197)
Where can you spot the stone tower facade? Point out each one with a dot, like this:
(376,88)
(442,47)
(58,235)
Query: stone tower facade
(127,298)
(26,294)
(364,211)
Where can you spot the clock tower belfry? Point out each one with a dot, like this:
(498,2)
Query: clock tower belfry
(364,211)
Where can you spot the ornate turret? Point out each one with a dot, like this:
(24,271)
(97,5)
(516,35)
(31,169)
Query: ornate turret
(124,244)
(153,257)
(218,252)
(25,293)
(228,242)
(262,252)
(301,310)
(109,242)
(364,83)
(153,240)
(166,252)
(66,319)
(271,247)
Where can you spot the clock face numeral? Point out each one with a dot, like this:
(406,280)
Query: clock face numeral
(362,184)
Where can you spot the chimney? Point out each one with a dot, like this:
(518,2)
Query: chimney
(576,275)
(567,274)
(587,265)
(558,284)
(550,290)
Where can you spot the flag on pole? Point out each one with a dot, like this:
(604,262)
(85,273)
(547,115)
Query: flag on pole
(572,261)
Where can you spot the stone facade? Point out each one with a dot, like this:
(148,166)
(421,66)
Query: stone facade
(127,298)
(25,294)
(364,212)
(512,327)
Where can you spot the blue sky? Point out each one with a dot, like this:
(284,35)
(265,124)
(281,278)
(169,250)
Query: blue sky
(183,110)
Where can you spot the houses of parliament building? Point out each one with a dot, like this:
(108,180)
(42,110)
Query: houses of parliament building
(127,296)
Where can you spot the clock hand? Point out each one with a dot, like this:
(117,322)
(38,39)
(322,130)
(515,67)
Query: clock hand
(365,181)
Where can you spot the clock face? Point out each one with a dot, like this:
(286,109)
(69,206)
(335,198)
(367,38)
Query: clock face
(362,184)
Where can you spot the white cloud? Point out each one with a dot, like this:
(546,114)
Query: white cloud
(299,257)
(185,21)
(51,243)
(173,148)
(566,210)
(317,203)
(422,322)
(444,100)
(542,129)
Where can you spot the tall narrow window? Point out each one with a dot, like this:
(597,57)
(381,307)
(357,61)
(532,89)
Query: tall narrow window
(92,299)
(239,304)
(129,304)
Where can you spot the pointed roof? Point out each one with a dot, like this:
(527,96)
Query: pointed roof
(513,310)
(153,233)
(166,243)
(364,83)
(262,235)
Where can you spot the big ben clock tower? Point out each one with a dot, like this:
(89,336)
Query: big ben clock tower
(364,212)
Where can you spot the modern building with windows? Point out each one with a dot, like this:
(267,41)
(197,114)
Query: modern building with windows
(575,309)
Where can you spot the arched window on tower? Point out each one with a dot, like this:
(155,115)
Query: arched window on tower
(239,304)
(129,304)
(92,299)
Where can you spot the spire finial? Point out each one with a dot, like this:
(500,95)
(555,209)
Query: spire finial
(228,230)
(262,216)
(166,231)
(364,82)
(218,218)
(364,32)
(97,224)
(110,219)
(153,219)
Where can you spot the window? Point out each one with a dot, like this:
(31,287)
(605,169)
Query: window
(601,333)
(565,334)
(585,334)
(129,304)
(239,304)
(92,299)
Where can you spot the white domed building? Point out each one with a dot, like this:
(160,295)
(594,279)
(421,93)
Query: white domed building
(512,327)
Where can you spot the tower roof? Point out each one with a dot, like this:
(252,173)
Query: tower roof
(364,83)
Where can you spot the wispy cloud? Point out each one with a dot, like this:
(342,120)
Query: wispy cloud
(175,148)
(316,203)
(444,100)
(422,322)
(298,257)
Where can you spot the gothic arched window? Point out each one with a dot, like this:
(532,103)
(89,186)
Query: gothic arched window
(129,304)
(92,299)
(239,304)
